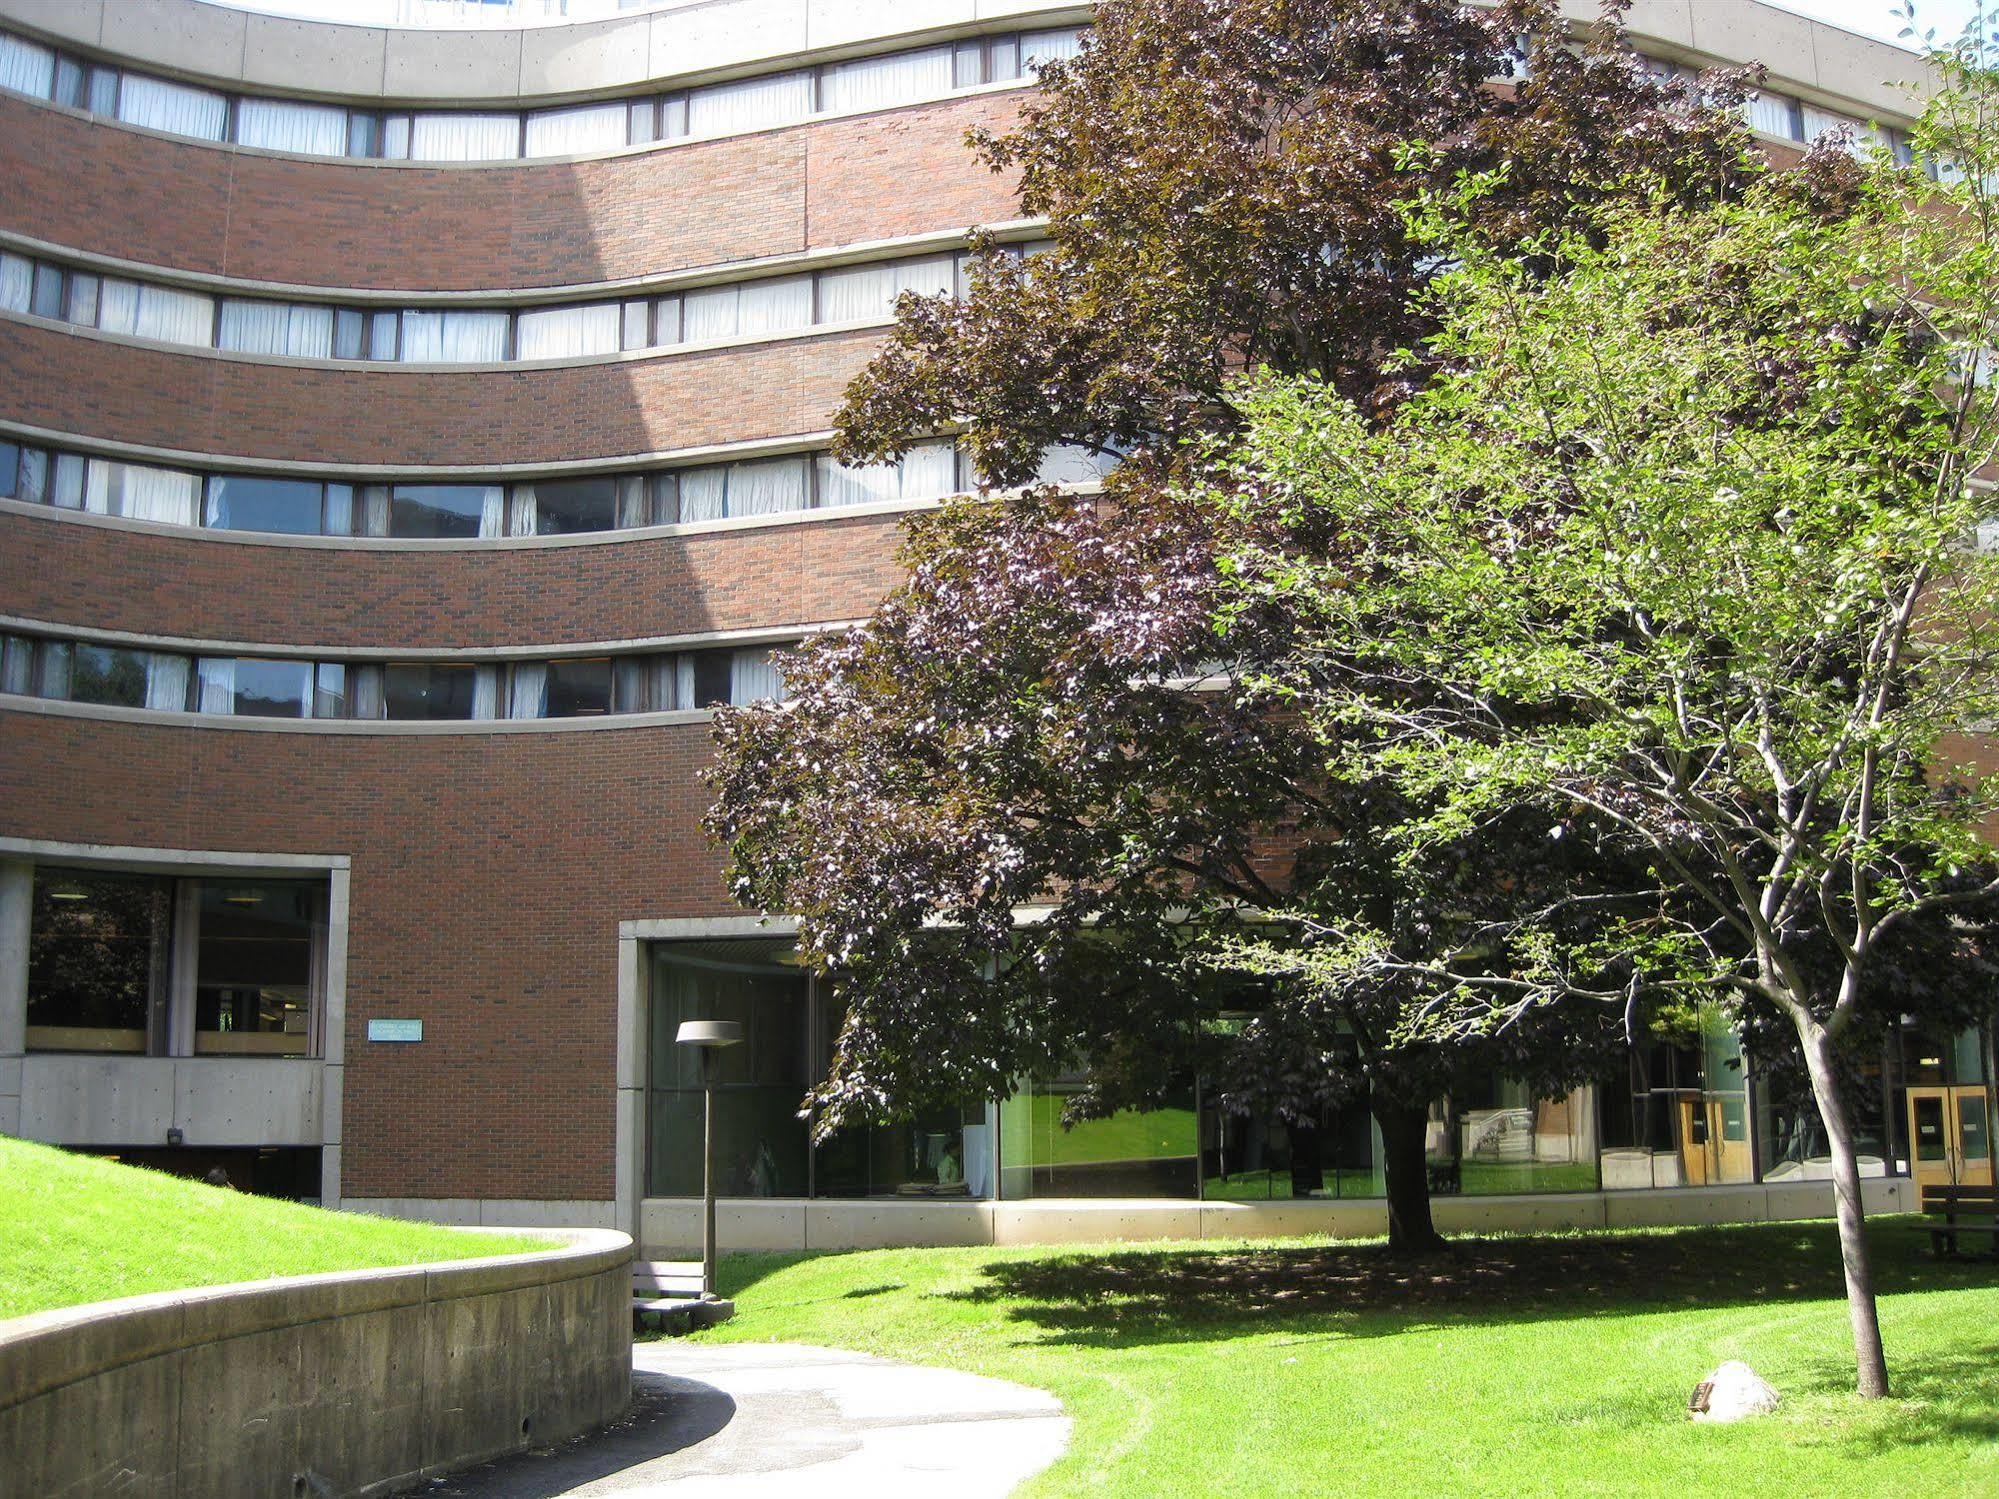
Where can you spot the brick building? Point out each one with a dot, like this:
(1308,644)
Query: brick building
(407,437)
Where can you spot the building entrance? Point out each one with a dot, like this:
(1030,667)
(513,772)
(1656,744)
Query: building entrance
(1950,1132)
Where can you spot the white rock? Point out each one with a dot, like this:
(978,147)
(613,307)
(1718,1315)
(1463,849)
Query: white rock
(1733,1392)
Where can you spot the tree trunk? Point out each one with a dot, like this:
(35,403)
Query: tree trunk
(1870,1362)
(1406,1172)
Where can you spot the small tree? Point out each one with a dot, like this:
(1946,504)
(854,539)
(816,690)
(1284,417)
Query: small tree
(1680,540)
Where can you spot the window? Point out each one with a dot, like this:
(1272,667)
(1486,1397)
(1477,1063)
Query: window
(453,338)
(869,292)
(752,307)
(565,507)
(255,956)
(1058,45)
(766,486)
(26,68)
(137,492)
(255,688)
(252,502)
(753,104)
(928,471)
(97,959)
(433,690)
(172,107)
(463,137)
(880,82)
(568,132)
(561,689)
(17,282)
(568,332)
(1776,114)
(295,329)
(445,510)
(119,678)
(287,125)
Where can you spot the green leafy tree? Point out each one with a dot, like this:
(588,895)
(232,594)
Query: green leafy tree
(1680,539)
(1040,718)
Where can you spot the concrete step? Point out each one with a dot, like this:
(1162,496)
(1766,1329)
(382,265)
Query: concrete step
(679,1314)
(667,1277)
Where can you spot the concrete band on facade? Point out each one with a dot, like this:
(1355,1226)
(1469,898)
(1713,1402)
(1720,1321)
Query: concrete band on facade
(356,1383)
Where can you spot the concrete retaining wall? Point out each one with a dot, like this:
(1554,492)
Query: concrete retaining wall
(361,1382)
(671,1226)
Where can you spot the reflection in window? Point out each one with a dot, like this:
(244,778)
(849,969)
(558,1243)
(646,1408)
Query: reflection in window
(97,958)
(254,967)
(445,510)
(434,690)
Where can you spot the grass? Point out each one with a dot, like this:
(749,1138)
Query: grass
(1512,1366)
(76,1229)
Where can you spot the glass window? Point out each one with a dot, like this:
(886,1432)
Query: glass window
(17,664)
(578,688)
(563,507)
(10,470)
(707,677)
(570,132)
(880,82)
(1775,114)
(329,693)
(164,495)
(453,337)
(97,958)
(81,307)
(753,104)
(1151,1154)
(301,330)
(175,317)
(254,502)
(17,282)
(445,510)
(108,675)
(47,298)
(26,68)
(1058,45)
(754,678)
(569,332)
(464,137)
(288,125)
(429,689)
(254,966)
(250,687)
(172,107)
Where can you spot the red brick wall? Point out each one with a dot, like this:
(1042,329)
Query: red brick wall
(326,223)
(93,387)
(489,876)
(206,588)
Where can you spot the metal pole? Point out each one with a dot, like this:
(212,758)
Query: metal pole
(707,1171)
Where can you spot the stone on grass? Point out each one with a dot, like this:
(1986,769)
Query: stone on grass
(1733,1392)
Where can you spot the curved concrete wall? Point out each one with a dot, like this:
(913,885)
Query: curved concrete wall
(362,1382)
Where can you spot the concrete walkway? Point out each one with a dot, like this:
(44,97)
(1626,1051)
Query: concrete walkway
(764,1420)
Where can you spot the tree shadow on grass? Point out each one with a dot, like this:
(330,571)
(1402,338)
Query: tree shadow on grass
(1123,1297)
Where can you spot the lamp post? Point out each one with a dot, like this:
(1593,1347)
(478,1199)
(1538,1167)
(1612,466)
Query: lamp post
(708,1037)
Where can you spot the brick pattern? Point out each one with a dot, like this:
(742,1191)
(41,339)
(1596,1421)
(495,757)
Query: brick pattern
(199,207)
(204,588)
(91,387)
(489,876)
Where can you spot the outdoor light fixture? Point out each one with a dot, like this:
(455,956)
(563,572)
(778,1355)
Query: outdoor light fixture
(708,1037)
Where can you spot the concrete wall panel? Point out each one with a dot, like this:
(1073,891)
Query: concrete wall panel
(205,40)
(314,58)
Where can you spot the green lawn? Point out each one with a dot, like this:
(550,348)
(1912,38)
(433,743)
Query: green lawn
(1516,1367)
(74,1229)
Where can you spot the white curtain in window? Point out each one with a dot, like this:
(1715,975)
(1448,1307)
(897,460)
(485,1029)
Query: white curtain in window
(117,306)
(682,670)
(175,317)
(930,471)
(17,664)
(570,132)
(774,305)
(529,695)
(1050,46)
(166,682)
(752,678)
(1771,115)
(140,493)
(309,331)
(26,68)
(525,513)
(1820,122)
(860,484)
(750,105)
(493,511)
(857,293)
(282,125)
(217,676)
(879,82)
(486,692)
(568,332)
(17,282)
(252,327)
(932,276)
(767,487)
(707,313)
(173,107)
(465,137)
(704,493)
(454,337)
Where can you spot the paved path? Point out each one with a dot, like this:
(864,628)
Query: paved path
(764,1420)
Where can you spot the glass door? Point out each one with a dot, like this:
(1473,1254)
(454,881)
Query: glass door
(1951,1139)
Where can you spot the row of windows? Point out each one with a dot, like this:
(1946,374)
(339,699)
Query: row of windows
(316,330)
(468,510)
(270,687)
(867,83)
(1789,118)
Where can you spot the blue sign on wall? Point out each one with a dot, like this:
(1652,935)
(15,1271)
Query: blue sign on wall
(395,1030)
